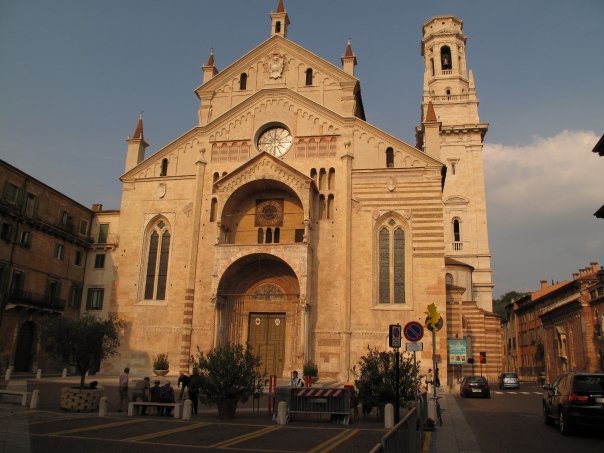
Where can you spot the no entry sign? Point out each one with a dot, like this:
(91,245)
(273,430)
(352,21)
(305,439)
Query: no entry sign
(413,331)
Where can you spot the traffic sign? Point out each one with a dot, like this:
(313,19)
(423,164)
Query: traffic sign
(394,336)
(419,346)
(413,331)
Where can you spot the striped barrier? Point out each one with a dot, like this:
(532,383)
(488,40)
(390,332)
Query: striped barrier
(335,402)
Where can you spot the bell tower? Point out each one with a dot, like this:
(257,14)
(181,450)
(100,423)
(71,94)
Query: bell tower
(449,102)
(279,21)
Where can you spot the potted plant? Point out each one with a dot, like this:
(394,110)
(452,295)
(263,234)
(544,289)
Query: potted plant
(229,374)
(80,343)
(161,365)
(310,370)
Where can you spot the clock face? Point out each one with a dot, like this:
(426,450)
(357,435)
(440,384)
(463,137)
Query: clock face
(275,140)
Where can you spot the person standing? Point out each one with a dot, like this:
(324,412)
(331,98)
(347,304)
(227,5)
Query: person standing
(296,381)
(123,388)
(183,382)
(194,386)
(429,379)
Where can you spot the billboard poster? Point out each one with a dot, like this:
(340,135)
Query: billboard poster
(457,351)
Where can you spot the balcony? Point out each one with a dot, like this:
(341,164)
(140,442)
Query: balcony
(110,240)
(26,299)
(457,246)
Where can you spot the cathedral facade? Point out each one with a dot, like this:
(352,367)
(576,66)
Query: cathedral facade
(284,220)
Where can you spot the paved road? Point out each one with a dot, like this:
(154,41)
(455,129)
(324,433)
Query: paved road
(48,430)
(27,431)
(511,421)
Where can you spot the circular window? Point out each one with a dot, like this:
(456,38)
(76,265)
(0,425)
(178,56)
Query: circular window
(275,140)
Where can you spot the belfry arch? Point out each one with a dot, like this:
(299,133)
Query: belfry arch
(258,303)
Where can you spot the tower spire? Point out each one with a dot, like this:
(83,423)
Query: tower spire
(137,144)
(209,69)
(349,59)
(279,21)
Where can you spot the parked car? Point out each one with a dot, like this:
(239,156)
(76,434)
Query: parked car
(575,399)
(474,386)
(509,380)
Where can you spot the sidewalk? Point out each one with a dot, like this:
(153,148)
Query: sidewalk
(455,435)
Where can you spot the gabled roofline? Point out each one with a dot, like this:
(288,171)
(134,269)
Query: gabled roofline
(267,43)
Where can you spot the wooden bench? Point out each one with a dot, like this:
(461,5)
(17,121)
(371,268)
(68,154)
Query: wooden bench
(177,407)
(23,394)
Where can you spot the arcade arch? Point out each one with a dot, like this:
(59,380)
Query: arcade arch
(258,302)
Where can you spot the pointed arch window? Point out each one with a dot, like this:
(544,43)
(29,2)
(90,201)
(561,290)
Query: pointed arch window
(158,253)
(243,81)
(391,263)
(308,76)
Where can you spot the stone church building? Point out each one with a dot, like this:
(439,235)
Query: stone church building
(285,220)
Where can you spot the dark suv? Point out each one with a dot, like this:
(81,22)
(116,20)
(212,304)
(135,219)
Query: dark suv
(575,399)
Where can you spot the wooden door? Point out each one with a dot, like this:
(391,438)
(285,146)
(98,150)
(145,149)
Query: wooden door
(267,339)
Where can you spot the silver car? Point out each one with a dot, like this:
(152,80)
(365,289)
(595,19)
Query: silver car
(509,380)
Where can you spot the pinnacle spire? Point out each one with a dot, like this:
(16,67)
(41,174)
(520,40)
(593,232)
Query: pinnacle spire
(280,7)
(349,59)
(430,113)
(138,132)
(211,58)
(349,52)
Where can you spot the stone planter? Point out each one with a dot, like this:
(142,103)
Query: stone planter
(75,399)
(226,408)
(160,372)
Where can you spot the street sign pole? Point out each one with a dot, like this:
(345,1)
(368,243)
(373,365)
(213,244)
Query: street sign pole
(397,390)
(434,364)
(415,374)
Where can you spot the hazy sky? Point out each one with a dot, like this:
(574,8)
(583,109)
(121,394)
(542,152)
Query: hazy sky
(75,74)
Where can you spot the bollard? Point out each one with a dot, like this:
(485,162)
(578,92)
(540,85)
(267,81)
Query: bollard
(187,409)
(7,375)
(282,413)
(35,395)
(64,375)
(389,416)
(39,373)
(103,406)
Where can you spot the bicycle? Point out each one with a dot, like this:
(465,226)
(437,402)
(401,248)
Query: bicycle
(439,410)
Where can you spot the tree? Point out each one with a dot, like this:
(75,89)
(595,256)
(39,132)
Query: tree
(504,300)
(83,341)
(376,378)
(229,373)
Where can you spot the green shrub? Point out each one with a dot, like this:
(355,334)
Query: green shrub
(376,378)
(228,372)
(161,362)
(310,369)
